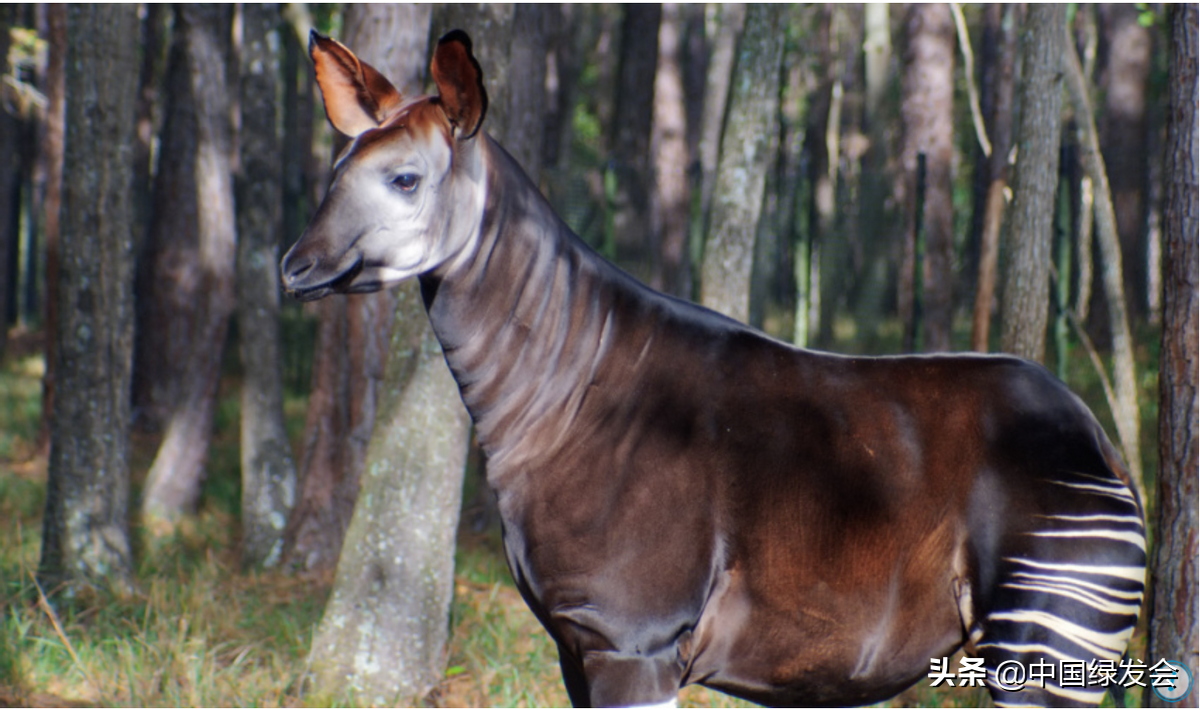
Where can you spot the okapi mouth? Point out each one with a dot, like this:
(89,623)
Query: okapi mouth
(340,283)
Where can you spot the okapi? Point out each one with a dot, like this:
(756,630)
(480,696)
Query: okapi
(686,500)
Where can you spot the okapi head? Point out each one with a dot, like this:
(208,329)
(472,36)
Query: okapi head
(414,161)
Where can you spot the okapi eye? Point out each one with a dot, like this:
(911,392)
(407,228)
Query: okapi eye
(406,182)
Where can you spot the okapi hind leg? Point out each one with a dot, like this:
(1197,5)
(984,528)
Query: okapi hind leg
(1065,605)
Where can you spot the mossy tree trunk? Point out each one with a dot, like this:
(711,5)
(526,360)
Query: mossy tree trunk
(747,149)
(85,539)
(268,471)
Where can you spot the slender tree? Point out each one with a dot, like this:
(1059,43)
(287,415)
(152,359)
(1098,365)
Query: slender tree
(1124,399)
(268,471)
(9,175)
(747,146)
(671,201)
(1125,55)
(85,539)
(1027,277)
(192,260)
(927,118)
(992,176)
(630,169)
(52,150)
(1174,632)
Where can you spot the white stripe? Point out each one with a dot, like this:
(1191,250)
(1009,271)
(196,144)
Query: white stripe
(1132,538)
(1131,519)
(1082,584)
(1133,574)
(1102,644)
(1104,488)
(1087,598)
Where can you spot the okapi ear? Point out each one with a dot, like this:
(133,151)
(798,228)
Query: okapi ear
(357,97)
(460,83)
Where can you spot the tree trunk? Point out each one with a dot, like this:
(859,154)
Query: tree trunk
(927,119)
(52,149)
(85,539)
(1174,633)
(383,634)
(632,240)
(747,147)
(997,89)
(384,631)
(1125,406)
(671,196)
(1027,277)
(731,20)
(1126,45)
(268,471)
(9,182)
(193,266)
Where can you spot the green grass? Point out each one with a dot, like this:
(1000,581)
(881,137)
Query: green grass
(201,632)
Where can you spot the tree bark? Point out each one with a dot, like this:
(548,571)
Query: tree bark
(633,240)
(193,265)
(747,146)
(671,195)
(52,149)
(927,117)
(1027,277)
(384,631)
(1126,47)
(1174,633)
(268,471)
(721,61)
(1125,408)
(85,539)
(997,88)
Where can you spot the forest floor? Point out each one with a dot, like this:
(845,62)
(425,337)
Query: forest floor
(201,632)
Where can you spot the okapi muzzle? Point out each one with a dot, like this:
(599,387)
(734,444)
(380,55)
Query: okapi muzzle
(686,500)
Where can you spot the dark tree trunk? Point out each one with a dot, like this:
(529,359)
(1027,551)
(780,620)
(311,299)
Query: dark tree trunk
(992,176)
(10,129)
(1124,59)
(927,118)
(747,147)
(720,69)
(85,539)
(191,277)
(633,242)
(268,471)
(671,196)
(1027,277)
(52,150)
(1174,632)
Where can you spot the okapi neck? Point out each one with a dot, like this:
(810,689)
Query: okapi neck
(525,320)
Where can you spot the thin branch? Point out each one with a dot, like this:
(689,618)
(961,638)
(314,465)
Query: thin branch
(964,44)
(1124,367)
